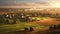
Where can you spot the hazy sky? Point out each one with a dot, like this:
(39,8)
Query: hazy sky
(27,2)
(21,1)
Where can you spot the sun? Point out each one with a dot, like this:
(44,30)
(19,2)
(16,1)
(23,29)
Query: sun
(56,5)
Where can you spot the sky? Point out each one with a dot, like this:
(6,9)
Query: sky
(26,3)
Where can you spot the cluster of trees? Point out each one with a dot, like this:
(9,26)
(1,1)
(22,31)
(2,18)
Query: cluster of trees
(12,18)
(23,17)
(43,13)
(54,27)
(6,19)
(31,29)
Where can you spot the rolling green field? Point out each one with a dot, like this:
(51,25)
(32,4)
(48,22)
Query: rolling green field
(20,26)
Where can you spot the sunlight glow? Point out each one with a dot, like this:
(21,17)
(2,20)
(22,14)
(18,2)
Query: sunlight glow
(56,5)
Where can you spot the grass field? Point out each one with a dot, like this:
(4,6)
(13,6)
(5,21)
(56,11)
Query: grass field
(19,26)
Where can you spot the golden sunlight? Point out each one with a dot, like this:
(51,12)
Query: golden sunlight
(56,5)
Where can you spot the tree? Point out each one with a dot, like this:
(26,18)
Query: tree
(26,29)
(31,29)
(14,21)
(55,27)
(7,21)
(58,26)
(2,20)
(51,28)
